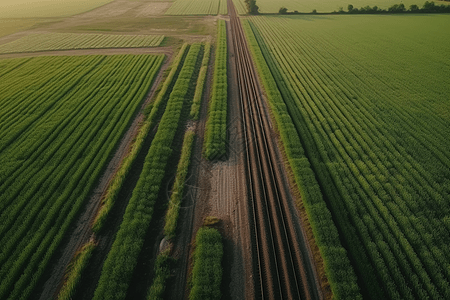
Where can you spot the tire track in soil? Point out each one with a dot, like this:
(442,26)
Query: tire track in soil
(81,232)
(283,264)
(217,189)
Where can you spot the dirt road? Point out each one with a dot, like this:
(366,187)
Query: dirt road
(283,265)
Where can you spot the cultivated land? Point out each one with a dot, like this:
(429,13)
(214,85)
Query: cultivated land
(46,9)
(376,127)
(175,150)
(56,137)
(69,41)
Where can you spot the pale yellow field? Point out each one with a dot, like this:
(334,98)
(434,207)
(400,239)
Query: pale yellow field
(46,8)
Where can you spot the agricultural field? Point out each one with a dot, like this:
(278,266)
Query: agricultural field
(198,7)
(118,269)
(323,6)
(68,41)
(9,26)
(371,107)
(319,143)
(61,119)
(46,9)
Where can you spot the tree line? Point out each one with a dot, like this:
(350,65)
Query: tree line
(428,7)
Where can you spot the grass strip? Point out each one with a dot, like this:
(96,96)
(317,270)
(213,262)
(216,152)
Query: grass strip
(207,270)
(76,269)
(195,108)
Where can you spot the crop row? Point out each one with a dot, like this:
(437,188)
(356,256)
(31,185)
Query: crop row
(178,186)
(122,258)
(207,269)
(240,6)
(61,130)
(66,41)
(76,268)
(195,109)
(162,274)
(216,124)
(197,7)
(387,206)
(156,109)
(162,266)
(339,271)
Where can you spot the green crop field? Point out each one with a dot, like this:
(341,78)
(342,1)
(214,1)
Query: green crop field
(61,118)
(66,41)
(46,8)
(270,6)
(371,107)
(198,7)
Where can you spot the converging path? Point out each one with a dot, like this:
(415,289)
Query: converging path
(283,266)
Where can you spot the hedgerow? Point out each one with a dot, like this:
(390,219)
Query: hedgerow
(216,124)
(122,258)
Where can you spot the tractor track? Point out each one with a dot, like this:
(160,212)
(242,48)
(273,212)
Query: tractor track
(282,265)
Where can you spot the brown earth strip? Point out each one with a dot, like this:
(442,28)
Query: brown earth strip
(284,266)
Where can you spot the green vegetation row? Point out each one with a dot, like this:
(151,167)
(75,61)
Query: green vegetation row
(162,274)
(207,270)
(122,258)
(162,266)
(339,271)
(67,41)
(198,7)
(178,186)
(377,140)
(197,102)
(156,110)
(62,117)
(216,124)
(75,269)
